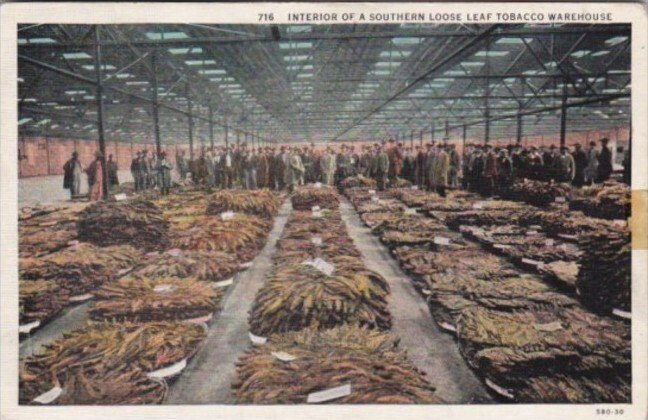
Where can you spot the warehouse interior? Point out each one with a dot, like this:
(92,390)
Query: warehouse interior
(354,270)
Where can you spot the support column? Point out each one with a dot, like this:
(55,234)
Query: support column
(463,139)
(47,151)
(487,94)
(432,132)
(412,138)
(100,108)
(156,103)
(421,138)
(563,115)
(226,135)
(190,118)
(211,126)
(520,121)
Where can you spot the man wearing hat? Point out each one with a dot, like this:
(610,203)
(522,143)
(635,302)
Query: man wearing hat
(565,166)
(419,165)
(72,175)
(328,166)
(164,168)
(95,177)
(604,162)
(535,164)
(580,162)
(382,167)
(592,163)
(490,171)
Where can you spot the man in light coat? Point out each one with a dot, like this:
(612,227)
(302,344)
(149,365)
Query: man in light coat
(440,170)
(382,167)
(295,169)
(328,166)
(565,165)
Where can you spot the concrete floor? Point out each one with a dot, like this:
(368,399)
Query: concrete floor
(430,349)
(49,189)
(71,318)
(209,375)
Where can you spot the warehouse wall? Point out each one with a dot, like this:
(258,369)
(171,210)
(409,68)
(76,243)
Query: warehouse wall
(47,155)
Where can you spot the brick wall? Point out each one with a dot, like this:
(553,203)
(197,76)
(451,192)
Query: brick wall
(46,156)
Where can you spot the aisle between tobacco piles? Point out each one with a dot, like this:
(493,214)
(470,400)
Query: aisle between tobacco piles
(427,346)
(208,377)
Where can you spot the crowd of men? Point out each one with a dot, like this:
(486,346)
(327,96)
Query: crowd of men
(435,166)
(489,170)
(151,171)
(492,170)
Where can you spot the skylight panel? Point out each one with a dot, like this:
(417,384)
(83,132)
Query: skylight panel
(616,40)
(296,57)
(166,35)
(41,41)
(600,53)
(454,73)
(137,83)
(75,92)
(23,121)
(395,54)
(304,75)
(512,41)
(105,67)
(124,76)
(580,53)
(387,64)
(491,53)
(291,45)
(212,71)
(298,67)
(472,63)
(180,51)
(406,40)
(199,62)
(76,56)
(299,28)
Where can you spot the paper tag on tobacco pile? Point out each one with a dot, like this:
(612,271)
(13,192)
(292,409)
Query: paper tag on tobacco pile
(329,394)
(318,185)
(620,222)
(257,340)
(49,396)
(227,215)
(26,328)
(560,199)
(372,192)
(223,283)
(375,198)
(478,205)
(410,211)
(440,240)
(321,265)
(120,197)
(316,214)
(315,209)
(283,356)
(415,187)
(316,240)
(549,242)
(531,232)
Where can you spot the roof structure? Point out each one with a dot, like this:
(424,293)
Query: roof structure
(293,83)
